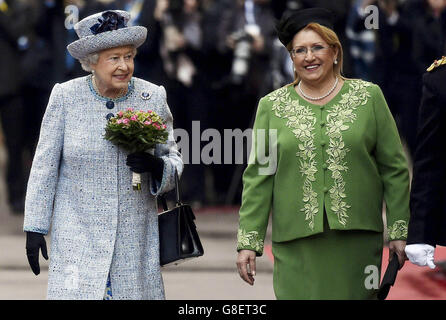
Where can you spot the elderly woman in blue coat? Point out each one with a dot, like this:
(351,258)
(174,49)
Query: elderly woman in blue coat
(104,234)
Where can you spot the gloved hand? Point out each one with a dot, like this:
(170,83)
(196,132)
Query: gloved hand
(421,254)
(34,242)
(140,162)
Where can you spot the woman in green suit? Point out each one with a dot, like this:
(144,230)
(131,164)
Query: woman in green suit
(338,157)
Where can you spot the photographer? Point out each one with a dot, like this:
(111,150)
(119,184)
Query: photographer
(248,32)
(13,24)
(245,38)
(394,67)
(183,62)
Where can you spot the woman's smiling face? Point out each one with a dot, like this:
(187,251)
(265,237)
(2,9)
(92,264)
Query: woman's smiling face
(312,57)
(115,67)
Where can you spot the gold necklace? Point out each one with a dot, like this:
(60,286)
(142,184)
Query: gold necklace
(122,92)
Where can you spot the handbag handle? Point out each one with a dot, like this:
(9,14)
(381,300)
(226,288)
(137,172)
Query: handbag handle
(177,193)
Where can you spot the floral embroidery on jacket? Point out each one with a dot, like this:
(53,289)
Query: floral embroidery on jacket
(398,231)
(339,117)
(302,122)
(249,240)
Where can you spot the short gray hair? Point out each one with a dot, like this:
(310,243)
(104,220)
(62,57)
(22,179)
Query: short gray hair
(86,62)
(93,58)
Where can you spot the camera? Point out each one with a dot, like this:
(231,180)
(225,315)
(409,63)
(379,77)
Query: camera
(242,54)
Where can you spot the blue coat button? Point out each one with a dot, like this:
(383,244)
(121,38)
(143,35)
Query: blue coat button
(108,116)
(110,104)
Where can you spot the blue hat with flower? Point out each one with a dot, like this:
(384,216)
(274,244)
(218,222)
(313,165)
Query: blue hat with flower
(105,30)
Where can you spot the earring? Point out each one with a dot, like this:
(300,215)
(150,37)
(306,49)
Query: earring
(336,61)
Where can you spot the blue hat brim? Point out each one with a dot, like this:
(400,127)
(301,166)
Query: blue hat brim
(129,36)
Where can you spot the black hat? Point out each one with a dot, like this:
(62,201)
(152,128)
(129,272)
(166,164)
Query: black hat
(293,21)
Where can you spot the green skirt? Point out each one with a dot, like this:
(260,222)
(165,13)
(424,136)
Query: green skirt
(334,264)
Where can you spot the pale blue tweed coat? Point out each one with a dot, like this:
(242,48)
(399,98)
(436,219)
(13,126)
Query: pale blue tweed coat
(81,186)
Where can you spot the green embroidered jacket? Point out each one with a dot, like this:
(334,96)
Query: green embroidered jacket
(345,156)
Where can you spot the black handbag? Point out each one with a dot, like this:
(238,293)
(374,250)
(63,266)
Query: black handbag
(179,240)
(389,277)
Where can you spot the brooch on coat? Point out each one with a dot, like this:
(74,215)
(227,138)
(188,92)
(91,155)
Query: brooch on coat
(146,95)
(437,63)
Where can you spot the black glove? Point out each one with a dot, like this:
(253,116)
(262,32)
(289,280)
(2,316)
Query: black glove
(34,242)
(140,162)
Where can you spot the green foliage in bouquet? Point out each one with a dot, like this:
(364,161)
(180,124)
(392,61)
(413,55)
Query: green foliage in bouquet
(136,131)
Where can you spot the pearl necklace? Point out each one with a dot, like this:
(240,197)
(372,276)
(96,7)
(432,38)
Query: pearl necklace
(321,97)
(121,92)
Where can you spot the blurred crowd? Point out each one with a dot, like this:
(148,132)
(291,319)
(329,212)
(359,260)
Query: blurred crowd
(215,58)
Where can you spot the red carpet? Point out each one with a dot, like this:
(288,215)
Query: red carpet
(412,282)
(418,283)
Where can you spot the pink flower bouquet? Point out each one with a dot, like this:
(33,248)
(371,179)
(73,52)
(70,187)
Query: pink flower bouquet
(136,131)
